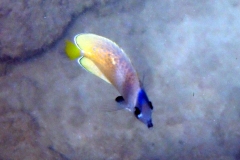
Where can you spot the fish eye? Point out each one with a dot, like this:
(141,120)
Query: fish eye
(137,112)
(150,104)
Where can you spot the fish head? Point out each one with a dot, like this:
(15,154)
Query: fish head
(143,109)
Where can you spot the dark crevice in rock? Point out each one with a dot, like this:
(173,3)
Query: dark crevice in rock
(61,155)
(39,52)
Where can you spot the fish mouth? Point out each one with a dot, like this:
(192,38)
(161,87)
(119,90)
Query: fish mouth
(149,124)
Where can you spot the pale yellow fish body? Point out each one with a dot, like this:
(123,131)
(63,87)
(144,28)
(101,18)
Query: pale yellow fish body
(113,63)
(107,60)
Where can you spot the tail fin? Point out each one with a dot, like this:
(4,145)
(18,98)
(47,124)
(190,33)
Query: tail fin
(72,51)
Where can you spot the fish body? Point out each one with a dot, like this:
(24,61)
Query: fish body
(107,60)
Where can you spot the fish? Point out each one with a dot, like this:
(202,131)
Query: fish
(106,60)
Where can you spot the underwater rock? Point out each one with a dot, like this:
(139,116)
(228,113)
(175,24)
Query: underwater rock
(29,27)
(18,134)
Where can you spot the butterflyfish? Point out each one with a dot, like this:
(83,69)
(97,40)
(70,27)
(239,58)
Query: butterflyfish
(105,59)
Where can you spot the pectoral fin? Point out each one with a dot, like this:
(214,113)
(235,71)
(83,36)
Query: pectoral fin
(119,99)
(121,103)
(91,67)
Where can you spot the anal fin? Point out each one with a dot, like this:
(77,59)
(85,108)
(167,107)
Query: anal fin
(91,67)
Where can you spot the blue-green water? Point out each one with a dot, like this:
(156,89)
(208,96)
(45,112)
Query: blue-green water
(187,52)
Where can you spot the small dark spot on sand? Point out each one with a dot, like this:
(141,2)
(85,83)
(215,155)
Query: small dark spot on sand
(181,142)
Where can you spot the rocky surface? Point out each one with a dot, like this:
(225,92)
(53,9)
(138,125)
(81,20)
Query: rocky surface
(188,52)
(27,28)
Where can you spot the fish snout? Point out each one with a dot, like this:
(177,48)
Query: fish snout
(149,123)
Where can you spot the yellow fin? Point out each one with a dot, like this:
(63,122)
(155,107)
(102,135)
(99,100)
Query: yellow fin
(72,51)
(91,67)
